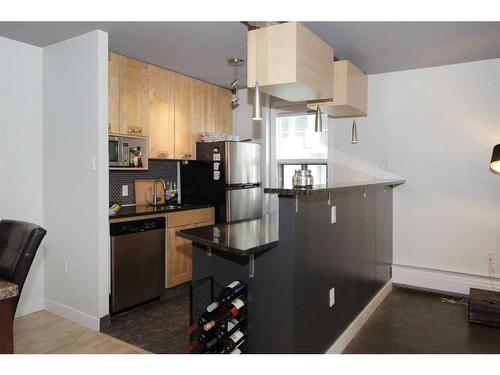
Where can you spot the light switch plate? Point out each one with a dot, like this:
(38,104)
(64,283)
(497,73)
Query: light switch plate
(332,297)
(124,190)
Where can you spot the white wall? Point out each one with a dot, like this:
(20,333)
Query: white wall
(76,177)
(435,127)
(243,125)
(21,169)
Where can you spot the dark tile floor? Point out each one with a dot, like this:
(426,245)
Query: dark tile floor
(159,327)
(408,321)
(411,321)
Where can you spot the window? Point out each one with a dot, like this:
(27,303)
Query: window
(297,144)
(296,138)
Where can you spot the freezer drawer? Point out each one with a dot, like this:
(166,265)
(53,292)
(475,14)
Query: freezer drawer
(242,163)
(243,204)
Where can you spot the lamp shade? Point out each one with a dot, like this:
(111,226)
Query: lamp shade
(318,120)
(495,160)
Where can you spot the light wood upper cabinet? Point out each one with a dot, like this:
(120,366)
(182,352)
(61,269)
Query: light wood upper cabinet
(173,110)
(134,97)
(204,111)
(290,62)
(161,108)
(224,111)
(114,92)
(350,92)
(184,147)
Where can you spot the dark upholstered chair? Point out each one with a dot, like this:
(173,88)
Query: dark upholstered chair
(19,242)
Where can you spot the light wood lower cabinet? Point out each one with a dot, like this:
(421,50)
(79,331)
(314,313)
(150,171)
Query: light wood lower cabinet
(179,251)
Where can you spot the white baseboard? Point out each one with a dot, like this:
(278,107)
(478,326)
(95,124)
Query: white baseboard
(29,307)
(445,281)
(345,338)
(72,314)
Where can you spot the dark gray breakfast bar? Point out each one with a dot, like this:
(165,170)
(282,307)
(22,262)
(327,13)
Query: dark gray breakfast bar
(327,237)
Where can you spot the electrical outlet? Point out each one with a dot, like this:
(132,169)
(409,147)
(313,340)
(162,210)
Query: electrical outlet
(334,214)
(491,263)
(124,190)
(332,297)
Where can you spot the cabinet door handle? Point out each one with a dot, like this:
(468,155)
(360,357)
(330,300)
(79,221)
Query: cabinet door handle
(135,130)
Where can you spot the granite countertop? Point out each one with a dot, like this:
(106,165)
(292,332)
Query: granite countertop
(238,238)
(7,290)
(131,211)
(319,189)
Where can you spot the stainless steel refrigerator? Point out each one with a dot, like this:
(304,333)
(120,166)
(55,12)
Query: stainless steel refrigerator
(226,174)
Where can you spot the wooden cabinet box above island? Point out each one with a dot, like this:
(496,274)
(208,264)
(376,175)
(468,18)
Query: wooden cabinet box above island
(289,278)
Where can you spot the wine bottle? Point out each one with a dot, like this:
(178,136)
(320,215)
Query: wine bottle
(210,339)
(202,320)
(228,311)
(221,332)
(229,293)
(236,351)
(235,340)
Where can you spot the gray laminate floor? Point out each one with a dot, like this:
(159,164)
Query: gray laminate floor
(411,321)
(158,327)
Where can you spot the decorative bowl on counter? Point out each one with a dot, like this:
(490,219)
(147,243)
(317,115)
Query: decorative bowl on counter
(302,178)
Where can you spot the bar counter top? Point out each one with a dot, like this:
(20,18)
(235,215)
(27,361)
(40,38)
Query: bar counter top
(239,238)
(330,188)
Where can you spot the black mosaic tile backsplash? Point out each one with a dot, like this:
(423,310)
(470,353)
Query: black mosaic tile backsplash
(166,169)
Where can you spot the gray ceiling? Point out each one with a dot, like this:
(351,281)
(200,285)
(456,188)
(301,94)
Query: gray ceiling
(200,49)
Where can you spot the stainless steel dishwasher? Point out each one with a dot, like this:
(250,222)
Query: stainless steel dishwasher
(137,262)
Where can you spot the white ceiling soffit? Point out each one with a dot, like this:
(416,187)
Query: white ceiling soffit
(200,49)
(197,49)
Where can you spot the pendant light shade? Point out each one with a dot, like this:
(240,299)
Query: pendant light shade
(495,160)
(257,109)
(318,120)
(354,133)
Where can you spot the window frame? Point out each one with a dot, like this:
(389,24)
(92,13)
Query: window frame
(277,164)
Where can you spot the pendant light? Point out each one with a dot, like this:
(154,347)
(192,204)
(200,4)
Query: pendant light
(495,160)
(354,133)
(318,120)
(257,109)
(235,63)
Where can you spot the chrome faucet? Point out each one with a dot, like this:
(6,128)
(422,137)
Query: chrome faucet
(155,195)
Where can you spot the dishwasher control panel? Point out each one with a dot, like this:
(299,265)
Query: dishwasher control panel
(128,227)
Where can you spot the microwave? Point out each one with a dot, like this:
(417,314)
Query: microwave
(119,148)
